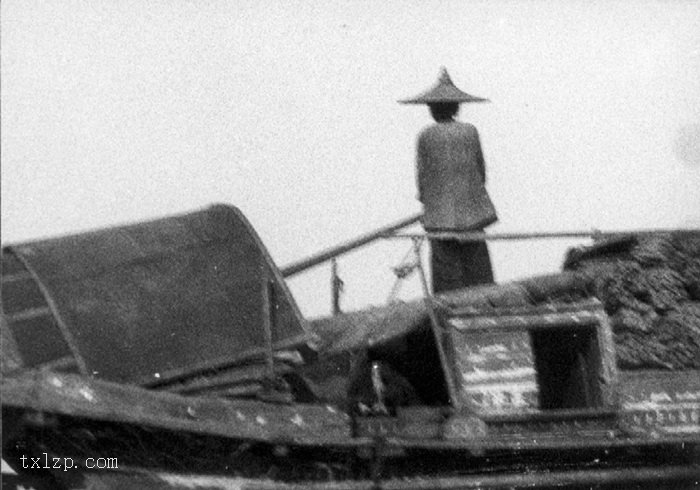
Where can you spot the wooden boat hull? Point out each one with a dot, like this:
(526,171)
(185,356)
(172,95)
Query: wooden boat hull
(670,478)
(164,440)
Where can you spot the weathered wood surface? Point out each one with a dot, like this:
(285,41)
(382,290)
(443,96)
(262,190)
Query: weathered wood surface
(373,325)
(207,383)
(669,477)
(318,425)
(82,397)
(87,400)
(661,403)
(493,356)
(496,372)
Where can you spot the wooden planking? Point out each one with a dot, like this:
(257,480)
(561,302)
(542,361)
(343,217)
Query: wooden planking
(519,322)
(666,402)
(585,478)
(492,357)
(518,309)
(410,423)
(302,425)
(99,400)
(495,371)
(676,476)
(226,377)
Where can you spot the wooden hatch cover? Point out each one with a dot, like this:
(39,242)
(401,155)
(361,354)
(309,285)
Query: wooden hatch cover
(530,359)
(147,302)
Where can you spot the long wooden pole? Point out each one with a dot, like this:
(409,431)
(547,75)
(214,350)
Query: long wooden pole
(478,236)
(328,254)
(389,231)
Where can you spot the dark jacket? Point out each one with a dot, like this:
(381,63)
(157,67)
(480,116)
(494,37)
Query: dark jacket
(451,175)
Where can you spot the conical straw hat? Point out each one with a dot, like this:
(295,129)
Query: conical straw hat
(443,91)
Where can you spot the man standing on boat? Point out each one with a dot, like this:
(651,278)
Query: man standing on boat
(451,175)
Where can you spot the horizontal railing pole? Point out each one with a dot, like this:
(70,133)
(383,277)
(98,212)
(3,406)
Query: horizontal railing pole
(330,253)
(481,236)
(389,231)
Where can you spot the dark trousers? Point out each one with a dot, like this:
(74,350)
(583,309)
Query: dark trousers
(457,265)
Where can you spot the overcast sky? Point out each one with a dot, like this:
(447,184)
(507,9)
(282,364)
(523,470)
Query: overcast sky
(115,111)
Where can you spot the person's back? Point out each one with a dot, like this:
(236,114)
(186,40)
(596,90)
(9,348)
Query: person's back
(451,175)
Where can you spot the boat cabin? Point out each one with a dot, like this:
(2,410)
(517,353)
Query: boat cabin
(474,367)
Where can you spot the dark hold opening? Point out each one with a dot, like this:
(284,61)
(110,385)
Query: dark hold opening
(568,366)
(411,369)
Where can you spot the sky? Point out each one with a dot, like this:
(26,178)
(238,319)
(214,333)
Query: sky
(116,111)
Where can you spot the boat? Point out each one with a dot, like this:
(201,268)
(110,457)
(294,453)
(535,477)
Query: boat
(171,354)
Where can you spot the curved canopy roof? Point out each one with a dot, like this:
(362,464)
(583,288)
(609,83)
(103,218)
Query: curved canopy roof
(150,301)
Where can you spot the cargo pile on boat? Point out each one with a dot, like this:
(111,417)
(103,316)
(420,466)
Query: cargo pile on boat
(650,287)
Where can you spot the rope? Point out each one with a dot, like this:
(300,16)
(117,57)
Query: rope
(403,271)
